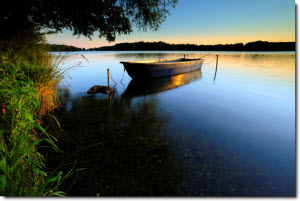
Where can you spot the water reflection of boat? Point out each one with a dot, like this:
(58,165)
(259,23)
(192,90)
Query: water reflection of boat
(138,87)
(161,68)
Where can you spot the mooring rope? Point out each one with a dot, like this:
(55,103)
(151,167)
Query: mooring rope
(210,61)
(204,55)
(112,78)
(120,80)
(122,76)
(123,85)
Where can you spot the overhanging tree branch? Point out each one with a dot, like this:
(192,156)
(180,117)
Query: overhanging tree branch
(109,17)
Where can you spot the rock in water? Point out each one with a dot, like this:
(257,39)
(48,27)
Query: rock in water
(99,89)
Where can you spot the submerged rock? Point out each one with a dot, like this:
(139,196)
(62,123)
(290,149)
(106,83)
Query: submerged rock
(99,89)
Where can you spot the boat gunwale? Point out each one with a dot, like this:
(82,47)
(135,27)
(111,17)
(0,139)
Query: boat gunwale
(157,62)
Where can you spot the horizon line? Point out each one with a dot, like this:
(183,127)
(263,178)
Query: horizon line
(180,43)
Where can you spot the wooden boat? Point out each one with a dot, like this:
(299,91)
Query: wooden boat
(139,87)
(161,68)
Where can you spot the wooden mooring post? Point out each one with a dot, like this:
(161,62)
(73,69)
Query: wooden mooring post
(101,89)
(108,77)
(216,68)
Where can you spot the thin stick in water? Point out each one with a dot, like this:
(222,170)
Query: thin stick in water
(216,68)
(108,77)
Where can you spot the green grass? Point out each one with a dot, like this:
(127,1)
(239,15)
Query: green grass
(28,90)
(45,72)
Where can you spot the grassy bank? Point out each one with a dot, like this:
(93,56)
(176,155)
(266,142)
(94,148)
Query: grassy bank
(27,92)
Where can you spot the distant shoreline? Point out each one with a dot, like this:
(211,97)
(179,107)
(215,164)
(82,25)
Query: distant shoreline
(257,46)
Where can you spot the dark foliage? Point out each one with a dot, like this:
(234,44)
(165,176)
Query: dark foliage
(268,46)
(66,48)
(109,17)
(153,46)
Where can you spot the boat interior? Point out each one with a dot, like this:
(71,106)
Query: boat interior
(174,60)
(163,61)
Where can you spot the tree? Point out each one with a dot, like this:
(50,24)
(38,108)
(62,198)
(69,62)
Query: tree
(109,17)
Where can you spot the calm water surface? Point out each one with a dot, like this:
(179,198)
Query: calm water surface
(185,135)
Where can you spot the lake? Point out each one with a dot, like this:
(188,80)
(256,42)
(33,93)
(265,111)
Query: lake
(203,133)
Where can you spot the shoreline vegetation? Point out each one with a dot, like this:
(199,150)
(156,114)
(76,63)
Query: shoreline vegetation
(28,96)
(162,46)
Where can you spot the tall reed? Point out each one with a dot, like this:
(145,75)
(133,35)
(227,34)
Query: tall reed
(28,90)
(46,73)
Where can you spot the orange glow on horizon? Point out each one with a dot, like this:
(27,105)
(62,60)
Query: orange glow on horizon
(207,41)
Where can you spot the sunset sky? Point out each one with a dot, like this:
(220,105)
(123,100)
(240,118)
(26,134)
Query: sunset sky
(209,22)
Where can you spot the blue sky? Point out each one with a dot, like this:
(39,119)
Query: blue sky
(209,22)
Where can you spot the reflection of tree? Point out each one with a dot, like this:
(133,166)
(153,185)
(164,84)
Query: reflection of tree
(133,159)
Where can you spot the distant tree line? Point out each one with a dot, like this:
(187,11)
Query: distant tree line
(156,46)
(63,48)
